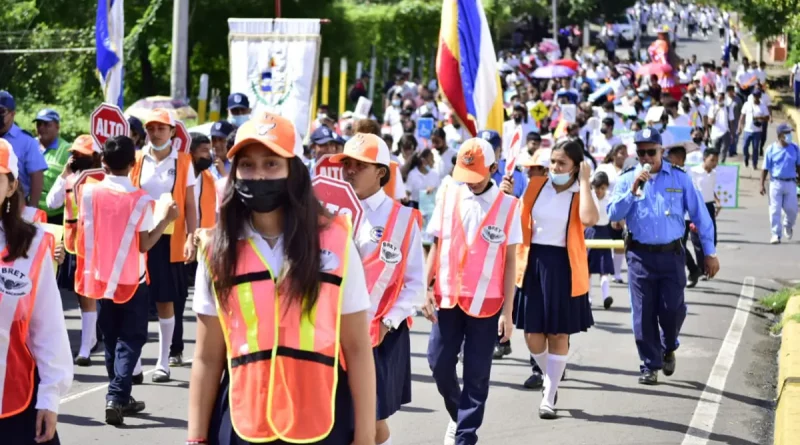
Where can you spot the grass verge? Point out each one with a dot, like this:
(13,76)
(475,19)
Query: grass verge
(776,302)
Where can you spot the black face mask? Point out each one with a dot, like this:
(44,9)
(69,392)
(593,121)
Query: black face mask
(698,140)
(79,164)
(517,119)
(201,165)
(262,195)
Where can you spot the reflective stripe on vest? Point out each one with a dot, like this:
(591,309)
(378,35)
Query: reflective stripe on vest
(283,363)
(17,299)
(207,206)
(110,221)
(387,264)
(34,215)
(470,273)
(70,214)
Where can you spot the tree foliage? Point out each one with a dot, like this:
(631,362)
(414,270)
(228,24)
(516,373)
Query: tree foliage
(765,18)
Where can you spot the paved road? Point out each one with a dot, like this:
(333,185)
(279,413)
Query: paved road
(600,403)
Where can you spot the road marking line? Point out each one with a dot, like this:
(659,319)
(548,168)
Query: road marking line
(705,414)
(86,392)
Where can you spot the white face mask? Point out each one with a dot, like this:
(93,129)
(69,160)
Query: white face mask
(163,147)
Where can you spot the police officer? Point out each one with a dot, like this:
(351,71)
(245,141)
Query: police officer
(31,161)
(518,180)
(238,109)
(652,201)
(782,164)
(56,153)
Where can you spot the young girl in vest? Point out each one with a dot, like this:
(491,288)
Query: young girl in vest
(279,265)
(161,170)
(475,228)
(390,245)
(553,272)
(600,261)
(62,194)
(205,191)
(116,227)
(36,367)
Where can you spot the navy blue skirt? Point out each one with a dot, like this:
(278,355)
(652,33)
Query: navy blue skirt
(65,276)
(393,371)
(546,304)
(221,430)
(600,260)
(20,429)
(168,280)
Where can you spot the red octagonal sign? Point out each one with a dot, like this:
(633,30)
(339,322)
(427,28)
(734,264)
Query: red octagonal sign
(106,122)
(324,167)
(339,198)
(182,141)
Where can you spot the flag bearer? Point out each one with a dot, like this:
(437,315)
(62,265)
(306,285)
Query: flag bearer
(390,245)
(553,269)
(476,227)
(83,157)
(161,170)
(653,205)
(117,227)
(36,368)
(308,376)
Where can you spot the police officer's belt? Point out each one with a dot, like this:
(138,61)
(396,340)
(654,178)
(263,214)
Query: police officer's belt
(632,244)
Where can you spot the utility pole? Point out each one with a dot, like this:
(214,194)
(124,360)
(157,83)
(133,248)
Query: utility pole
(555,20)
(180,48)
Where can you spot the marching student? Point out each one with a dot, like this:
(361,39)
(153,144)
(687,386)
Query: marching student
(160,170)
(205,195)
(390,244)
(37,367)
(271,223)
(83,157)
(704,178)
(600,261)
(553,270)
(472,264)
(116,227)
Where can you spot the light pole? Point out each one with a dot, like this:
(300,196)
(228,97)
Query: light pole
(555,20)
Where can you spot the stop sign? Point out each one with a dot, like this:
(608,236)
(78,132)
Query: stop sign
(182,141)
(106,122)
(325,167)
(87,177)
(339,198)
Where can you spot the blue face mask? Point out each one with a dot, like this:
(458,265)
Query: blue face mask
(559,178)
(238,120)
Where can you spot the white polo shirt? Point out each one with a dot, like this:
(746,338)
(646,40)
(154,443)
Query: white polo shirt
(704,181)
(550,214)
(158,177)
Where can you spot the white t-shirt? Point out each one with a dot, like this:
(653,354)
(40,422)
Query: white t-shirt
(704,181)
(750,110)
(158,177)
(718,115)
(681,120)
(355,296)
(601,145)
(602,208)
(418,182)
(550,215)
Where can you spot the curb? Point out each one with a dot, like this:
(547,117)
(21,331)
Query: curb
(787,413)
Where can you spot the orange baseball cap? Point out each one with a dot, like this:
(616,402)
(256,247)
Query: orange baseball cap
(365,147)
(272,131)
(474,158)
(8,159)
(84,144)
(161,116)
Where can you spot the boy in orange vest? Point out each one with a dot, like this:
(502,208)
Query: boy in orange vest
(390,244)
(205,195)
(473,266)
(116,228)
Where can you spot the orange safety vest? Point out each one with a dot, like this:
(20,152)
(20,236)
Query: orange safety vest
(178,236)
(576,243)
(394,170)
(17,298)
(70,214)
(385,268)
(108,254)
(477,285)
(208,201)
(34,215)
(284,365)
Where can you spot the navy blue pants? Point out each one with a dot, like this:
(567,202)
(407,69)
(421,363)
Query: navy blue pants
(125,329)
(466,407)
(656,283)
(21,428)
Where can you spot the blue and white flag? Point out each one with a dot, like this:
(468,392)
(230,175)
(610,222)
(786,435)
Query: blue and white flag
(109,45)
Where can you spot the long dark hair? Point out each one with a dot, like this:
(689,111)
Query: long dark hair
(613,153)
(573,148)
(301,228)
(19,233)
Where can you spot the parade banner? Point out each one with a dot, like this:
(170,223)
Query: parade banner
(275,63)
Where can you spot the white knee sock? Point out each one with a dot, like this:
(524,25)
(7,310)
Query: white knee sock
(555,368)
(541,360)
(88,333)
(137,369)
(388,441)
(166,326)
(604,284)
(617,265)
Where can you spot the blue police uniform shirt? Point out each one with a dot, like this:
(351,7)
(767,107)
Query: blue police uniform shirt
(656,216)
(31,159)
(782,162)
(216,173)
(520,181)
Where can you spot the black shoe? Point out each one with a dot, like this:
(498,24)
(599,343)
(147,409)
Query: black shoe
(618,281)
(114,413)
(648,377)
(83,361)
(547,413)
(132,407)
(160,376)
(501,351)
(669,363)
(535,381)
(176,360)
(138,379)
(691,281)
(607,302)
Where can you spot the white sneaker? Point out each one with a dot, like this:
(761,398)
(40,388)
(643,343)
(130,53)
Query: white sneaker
(774,240)
(787,233)
(450,434)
